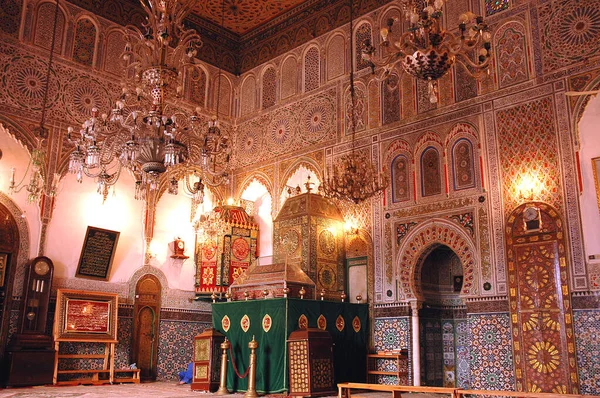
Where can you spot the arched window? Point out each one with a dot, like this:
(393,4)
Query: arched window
(400,179)
(115,45)
(248,96)
(431,173)
(269,88)
(390,94)
(363,33)
(463,167)
(84,45)
(44,27)
(312,69)
(196,86)
(289,77)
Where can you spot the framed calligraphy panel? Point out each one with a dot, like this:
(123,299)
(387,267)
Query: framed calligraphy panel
(85,316)
(97,254)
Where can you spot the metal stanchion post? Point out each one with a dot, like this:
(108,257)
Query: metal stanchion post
(251,393)
(223,381)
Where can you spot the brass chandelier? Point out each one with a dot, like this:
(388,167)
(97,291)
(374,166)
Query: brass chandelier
(426,50)
(149,132)
(353,177)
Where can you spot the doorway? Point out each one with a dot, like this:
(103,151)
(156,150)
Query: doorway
(9,248)
(442,311)
(145,326)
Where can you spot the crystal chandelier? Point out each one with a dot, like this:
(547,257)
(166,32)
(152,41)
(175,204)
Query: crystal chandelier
(149,131)
(353,177)
(38,180)
(426,50)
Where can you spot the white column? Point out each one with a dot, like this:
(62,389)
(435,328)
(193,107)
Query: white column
(416,346)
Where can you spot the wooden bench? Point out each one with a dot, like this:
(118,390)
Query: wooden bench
(135,376)
(344,389)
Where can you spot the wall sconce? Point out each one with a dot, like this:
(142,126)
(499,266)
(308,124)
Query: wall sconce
(351,227)
(527,187)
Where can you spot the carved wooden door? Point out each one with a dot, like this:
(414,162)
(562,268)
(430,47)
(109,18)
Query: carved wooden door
(9,248)
(146,322)
(540,301)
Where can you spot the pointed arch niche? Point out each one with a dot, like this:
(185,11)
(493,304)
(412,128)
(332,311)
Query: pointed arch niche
(297,178)
(256,191)
(420,242)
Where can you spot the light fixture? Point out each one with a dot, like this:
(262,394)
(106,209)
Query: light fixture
(426,50)
(353,177)
(38,182)
(149,131)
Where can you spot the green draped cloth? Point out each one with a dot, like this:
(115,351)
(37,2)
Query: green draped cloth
(346,323)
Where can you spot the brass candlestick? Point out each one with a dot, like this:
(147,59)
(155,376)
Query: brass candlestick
(223,380)
(302,292)
(251,392)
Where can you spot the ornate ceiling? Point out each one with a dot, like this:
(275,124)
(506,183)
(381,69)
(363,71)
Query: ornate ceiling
(243,16)
(254,31)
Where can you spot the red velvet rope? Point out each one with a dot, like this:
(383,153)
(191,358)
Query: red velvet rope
(235,367)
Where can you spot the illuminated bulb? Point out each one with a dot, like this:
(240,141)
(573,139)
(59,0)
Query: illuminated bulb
(429,10)
(384,34)
(487,36)
(483,52)
(463,18)
(438,4)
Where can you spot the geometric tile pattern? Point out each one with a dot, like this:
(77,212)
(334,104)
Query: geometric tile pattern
(176,346)
(448,340)
(569,32)
(587,325)
(463,371)
(491,352)
(529,147)
(391,334)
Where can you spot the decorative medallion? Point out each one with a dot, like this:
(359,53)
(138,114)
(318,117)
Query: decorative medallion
(266,323)
(280,131)
(356,324)
(322,322)
(290,241)
(303,322)
(240,248)
(226,323)
(339,323)
(327,242)
(326,276)
(245,323)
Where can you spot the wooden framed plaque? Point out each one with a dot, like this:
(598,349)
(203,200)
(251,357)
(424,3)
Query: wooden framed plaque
(97,254)
(85,316)
(596,170)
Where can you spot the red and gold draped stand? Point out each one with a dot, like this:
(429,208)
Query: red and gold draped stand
(207,360)
(223,254)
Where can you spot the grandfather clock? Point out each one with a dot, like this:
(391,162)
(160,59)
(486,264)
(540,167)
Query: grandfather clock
(31,353)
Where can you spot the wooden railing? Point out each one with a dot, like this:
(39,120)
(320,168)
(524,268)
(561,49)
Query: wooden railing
(344,391)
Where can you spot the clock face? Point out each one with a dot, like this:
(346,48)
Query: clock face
(180,244)
(41,267)
(530,213)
